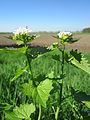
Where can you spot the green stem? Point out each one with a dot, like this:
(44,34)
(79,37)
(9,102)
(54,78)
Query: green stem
(2,117)
(39,116)
(56,113)
(29,62)
(61,84)
(62,70)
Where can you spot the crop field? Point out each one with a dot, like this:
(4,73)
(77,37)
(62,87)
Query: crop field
(46,72)
(46,39)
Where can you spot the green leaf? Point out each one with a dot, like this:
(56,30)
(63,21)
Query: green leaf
(19,72)
(11,116)
(83,64)
(50,75)
(77,55)
(41,93)
(30,38)
(79,61)
(22,50)
(87,103)
(14,50)
(27,88)
(19,42)
(56,57)
(53,46)
(22,112)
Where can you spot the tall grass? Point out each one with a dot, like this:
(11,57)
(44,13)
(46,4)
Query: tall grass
(9,62)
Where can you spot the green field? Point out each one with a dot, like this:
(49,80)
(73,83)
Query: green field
(11,92)
(35,76)
(9,63)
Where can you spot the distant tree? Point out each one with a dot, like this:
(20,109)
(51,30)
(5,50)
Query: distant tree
(86,30)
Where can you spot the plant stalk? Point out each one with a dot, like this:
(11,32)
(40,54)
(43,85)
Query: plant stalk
(56,113)
(29,63)
(61,84)
(62,70)
(39,116)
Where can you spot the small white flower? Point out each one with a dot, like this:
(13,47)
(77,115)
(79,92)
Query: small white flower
(61,34)
(22,31)
(68,33)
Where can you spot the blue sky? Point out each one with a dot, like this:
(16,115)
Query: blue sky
(44,15)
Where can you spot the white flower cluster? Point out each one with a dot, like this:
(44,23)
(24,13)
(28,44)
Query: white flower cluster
(22,31)
(61,34)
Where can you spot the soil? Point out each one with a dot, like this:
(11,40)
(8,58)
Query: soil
(47,39)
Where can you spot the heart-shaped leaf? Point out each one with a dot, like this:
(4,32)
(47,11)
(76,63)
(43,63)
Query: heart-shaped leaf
(22,112)
(40,94)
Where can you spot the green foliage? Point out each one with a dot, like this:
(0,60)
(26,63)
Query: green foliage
(11,116)
(53,46)
(79,61)
(48,83)
(49,65)
(86,30)
(19,72)
(13,50)
(76,78)
(76,55)
(87,103)
(5,106)
(28,88)
(23,38)
(22,112)
(40,93)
